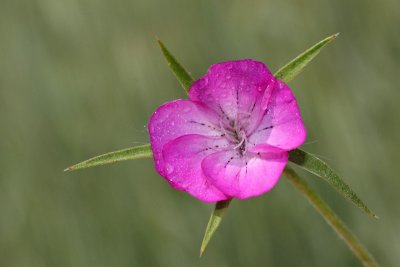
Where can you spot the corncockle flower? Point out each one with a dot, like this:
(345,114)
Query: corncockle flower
(231,138)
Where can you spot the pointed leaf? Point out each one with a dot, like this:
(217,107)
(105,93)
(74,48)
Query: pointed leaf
(216,217)
(136,152)
(331,218)
(181,74)
(290,70)
(312,164)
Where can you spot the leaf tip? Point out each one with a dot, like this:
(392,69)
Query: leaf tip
(72,168)
(68,169)
(371,213)
(160,43)
(202,248)
(334,36)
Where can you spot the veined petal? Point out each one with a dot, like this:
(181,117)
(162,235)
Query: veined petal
(183,157)
(245,176)
(177,118)
(282,125)
(264,148)
(235,90)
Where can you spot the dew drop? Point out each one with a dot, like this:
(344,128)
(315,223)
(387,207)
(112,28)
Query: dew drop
(169,168)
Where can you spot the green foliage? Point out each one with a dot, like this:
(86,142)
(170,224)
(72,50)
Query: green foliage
(215,219)
(136,152)
(294,67)
(312,164)
(181,74)
(331,218)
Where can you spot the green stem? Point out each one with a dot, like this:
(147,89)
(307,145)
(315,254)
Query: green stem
(330,217)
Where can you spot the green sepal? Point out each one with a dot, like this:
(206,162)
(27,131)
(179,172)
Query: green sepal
(181,74)
(136,152)
(291,69)
(215,219)
(312,164)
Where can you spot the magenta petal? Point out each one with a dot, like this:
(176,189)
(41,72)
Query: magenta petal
(264,148)
(245,176)
(175,119)
(183,157)
(235,90)
(231,138)
(282,125)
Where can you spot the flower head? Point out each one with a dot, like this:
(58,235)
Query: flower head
(231,138)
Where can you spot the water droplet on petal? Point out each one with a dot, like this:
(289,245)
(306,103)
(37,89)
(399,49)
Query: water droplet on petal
(169,168)
(271,84)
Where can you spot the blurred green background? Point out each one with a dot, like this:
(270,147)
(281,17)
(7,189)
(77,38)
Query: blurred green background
(82,77)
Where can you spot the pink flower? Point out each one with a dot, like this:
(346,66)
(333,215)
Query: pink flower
(231,138)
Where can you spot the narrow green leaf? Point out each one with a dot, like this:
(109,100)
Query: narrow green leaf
(215,219)
(136,152)
(290,70)
(181,74)
(331,218)
(312,164)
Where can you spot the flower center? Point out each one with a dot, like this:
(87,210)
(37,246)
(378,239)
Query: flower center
(236,135)
(241,146)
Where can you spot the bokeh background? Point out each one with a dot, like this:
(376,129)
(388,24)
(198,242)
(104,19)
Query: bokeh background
(81,77)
